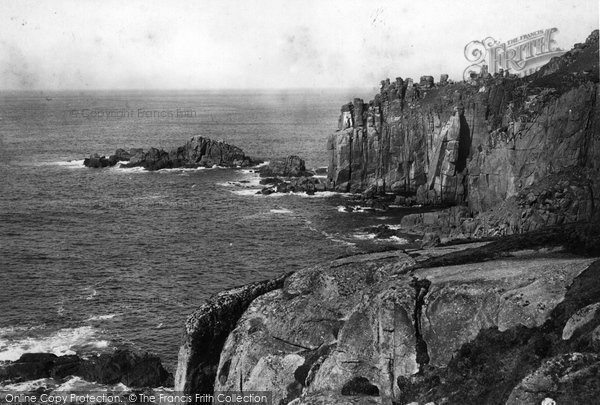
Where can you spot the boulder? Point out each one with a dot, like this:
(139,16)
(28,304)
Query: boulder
(382,232)
(292,166)
(426,82)
(96,161)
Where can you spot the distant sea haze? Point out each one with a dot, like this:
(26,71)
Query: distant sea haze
(94,259)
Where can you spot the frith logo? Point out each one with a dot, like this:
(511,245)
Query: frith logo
(522,55)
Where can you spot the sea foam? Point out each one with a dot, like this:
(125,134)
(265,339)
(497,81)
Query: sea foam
(62,342)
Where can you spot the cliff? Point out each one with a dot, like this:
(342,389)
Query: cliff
(515,320)
(477,143)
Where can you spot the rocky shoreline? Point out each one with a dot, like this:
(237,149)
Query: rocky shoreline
(134,370)
(499,305)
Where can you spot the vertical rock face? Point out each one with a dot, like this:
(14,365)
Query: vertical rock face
(206,331)
(477,143)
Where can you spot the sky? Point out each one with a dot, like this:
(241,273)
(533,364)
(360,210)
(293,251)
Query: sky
(260,44)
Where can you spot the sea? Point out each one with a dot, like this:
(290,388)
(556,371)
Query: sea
(96,259)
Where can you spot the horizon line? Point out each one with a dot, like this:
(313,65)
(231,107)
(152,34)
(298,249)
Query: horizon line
(274,89)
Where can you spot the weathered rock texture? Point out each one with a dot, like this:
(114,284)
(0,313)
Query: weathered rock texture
(481,143)
(452,324)
(206,331)
(365,326)
(197,152)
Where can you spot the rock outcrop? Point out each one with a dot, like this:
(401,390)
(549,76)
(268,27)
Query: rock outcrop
(206,331)
(478,143)
(355,328)
(197,152)
(135,370)
(388,327)
(292,166)
(289,176)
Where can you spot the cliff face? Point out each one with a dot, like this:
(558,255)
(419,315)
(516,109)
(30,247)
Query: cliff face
(206,331)
(477,143)
(513,321)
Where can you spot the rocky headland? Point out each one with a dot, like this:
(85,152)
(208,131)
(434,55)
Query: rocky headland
(517,153)
(505,312)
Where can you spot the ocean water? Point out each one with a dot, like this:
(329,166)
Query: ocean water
(93,259)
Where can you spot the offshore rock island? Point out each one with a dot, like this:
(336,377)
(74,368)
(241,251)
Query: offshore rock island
(512,319)
(197,152)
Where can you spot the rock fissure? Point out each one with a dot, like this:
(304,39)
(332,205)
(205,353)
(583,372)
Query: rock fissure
(421,287)
(287,342)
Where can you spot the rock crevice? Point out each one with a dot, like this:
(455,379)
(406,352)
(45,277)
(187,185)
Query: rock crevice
(421,287)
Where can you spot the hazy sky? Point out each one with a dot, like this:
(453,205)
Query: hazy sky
(260,44)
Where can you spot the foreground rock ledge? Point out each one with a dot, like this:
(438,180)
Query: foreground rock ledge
(390,327)
(206,331)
